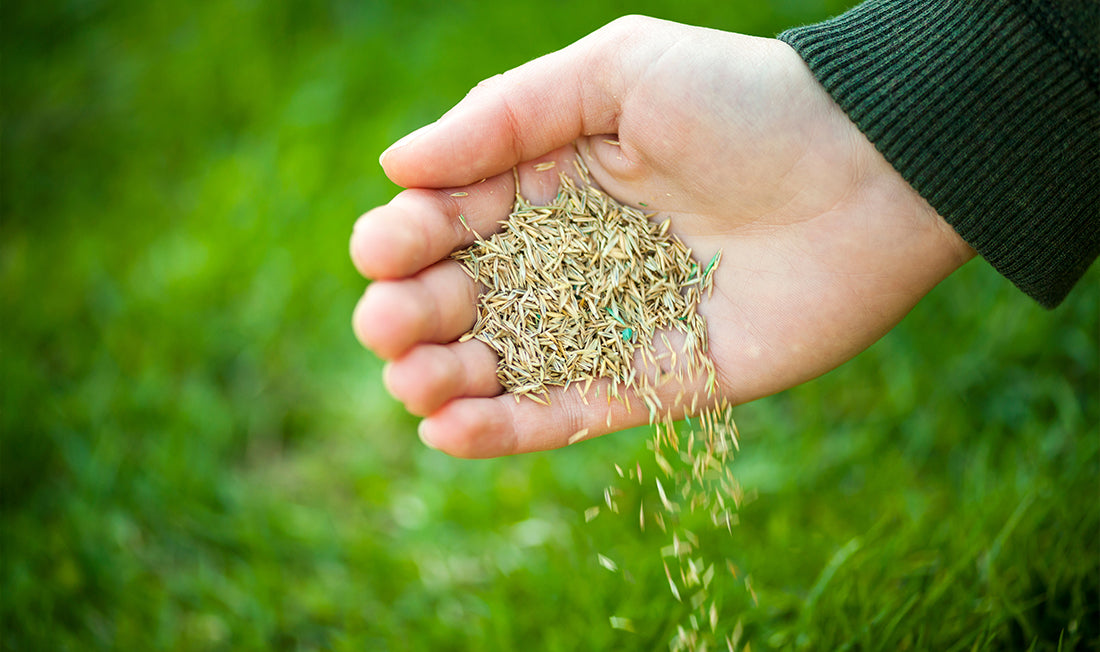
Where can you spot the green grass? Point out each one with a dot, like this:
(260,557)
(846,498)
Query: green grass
(196,454)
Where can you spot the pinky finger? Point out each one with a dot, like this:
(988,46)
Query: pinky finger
(501,425)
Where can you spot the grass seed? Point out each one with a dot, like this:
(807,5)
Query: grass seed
(583,289)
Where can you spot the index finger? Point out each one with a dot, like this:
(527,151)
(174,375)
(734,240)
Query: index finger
(421,226)
(530,110)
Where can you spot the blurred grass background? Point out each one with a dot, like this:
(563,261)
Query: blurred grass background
(197,455)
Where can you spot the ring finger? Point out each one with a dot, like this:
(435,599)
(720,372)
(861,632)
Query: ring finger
(436,305)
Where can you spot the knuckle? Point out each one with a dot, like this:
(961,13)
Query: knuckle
(629,22)
(625,26)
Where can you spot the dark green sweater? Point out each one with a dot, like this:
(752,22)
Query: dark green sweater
(990,110)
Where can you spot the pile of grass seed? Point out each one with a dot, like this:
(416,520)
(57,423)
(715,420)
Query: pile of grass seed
(578,288)
(587,289)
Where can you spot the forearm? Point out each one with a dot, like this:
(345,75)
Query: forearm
(990,119)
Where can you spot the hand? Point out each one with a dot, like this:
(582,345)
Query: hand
(825,247)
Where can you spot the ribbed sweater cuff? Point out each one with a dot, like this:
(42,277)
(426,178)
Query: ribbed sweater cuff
(984,117)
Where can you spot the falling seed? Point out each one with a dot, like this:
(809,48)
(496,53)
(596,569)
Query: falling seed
(664,498)
(752,592)
(672,584)
(708,576)
(607,563)
(610,501)
(562,282)
(660,521)
(697,601)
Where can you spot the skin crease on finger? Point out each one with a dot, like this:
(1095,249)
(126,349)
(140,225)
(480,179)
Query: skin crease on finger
(825,247)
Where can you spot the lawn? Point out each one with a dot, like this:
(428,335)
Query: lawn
(196,454)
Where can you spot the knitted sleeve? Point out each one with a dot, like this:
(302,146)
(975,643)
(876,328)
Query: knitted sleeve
(990,110)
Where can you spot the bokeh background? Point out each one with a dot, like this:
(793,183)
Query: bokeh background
(196,454)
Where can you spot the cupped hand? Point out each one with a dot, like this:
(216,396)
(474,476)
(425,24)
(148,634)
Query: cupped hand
(825,247)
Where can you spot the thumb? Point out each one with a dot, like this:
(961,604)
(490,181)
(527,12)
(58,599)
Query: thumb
(516,116)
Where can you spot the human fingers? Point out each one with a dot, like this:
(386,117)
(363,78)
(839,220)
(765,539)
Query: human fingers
(429,375)
(420,226)
(437,305)
(532,109)
(501,425)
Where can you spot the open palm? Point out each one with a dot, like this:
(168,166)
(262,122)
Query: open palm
(825,247)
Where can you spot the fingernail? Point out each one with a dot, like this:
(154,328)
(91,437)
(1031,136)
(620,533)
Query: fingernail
(420,433)
(405,140)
